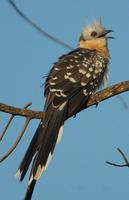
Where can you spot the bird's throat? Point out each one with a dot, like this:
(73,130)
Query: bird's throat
(99,45)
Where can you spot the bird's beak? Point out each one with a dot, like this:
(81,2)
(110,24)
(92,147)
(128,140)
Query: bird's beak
(105,33)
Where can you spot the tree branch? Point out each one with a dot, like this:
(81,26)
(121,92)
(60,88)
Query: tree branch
(10,120)
(126,162)
(21,111)
(30,114)
(96,98)
(17,140)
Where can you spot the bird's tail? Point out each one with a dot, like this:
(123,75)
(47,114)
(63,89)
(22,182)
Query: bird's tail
(30,190)
(41,148)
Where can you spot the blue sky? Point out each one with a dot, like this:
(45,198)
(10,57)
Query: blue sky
(78,169)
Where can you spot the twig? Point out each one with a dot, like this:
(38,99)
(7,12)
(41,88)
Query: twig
(28,104)
(6,127)
(17,141)
(124,158)
(43,32)
(10,120)
(21,112)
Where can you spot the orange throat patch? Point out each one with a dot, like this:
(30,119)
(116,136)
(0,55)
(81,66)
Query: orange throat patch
(99,45)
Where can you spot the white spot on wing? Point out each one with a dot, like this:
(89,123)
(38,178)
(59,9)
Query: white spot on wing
(88,75)
(85,92)
(55,78)
(52,83)
(83,83)
(96,71)
(58,94)
(85,65)
(72,79)
(56,68)
(98,63)
(94,76)
(62,94)
(66,76)
(75,56)
(60,134)
(52,90)
(91,69)
(55,90)
(69,73)
(70,67)
(62,106)
(82,71)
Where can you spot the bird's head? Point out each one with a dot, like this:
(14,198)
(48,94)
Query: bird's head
(94,36)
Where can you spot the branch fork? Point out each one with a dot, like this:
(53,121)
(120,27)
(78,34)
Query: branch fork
(126,162)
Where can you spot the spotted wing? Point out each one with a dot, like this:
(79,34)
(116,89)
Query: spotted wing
(74,78)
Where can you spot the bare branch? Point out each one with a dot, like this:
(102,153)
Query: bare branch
(10,120)
(126,164)
(20,135)
(28,104)
(96,98)
(42,31)
(107,93)
(21,112)
(6,127)
(17,141)
(29,114)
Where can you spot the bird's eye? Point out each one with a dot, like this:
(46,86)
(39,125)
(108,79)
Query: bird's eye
(94,34)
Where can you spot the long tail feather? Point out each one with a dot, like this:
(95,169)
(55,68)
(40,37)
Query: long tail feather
(30,190)
(41,148)
(52,131)
(29,154)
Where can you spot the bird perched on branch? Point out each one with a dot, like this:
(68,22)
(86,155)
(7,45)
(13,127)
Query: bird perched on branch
(68,87)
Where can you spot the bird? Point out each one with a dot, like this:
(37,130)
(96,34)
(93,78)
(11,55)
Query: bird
(70,83)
